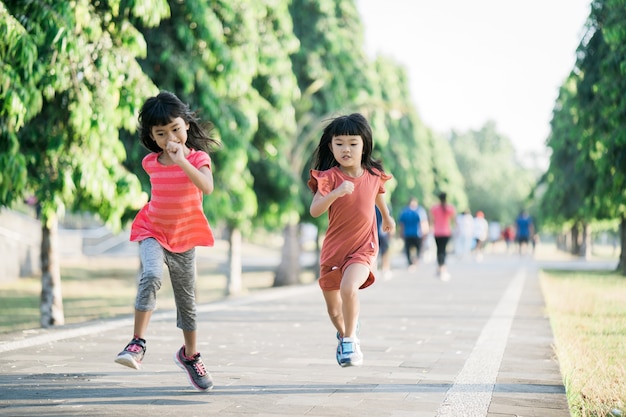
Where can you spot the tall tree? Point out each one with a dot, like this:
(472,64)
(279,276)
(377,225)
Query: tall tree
(334,76)
(402,140)
(447,177)
(201,53)
(230,59)
(275,181)
(602,65)
(566,187)
(74,82)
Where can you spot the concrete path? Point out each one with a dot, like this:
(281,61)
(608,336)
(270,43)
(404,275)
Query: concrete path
(478,345)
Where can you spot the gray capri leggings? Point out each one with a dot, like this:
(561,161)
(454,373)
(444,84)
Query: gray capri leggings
(182,268)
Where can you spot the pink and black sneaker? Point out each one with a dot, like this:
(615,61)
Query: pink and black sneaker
(196,372)
(132,354)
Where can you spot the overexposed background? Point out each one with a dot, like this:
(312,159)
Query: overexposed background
(470,61)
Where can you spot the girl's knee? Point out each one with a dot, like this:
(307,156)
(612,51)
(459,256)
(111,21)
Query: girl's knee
(151,278)
(334,313)
(348,291)
(354,276)
(333,303)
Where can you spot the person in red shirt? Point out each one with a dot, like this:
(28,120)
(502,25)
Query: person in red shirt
(348,184)
(172,224)
(443,215)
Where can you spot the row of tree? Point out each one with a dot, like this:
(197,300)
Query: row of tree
(267,74)
(585,184)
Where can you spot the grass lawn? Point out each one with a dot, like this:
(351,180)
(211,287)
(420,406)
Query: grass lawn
(104,287)
(98,289)
(587,312)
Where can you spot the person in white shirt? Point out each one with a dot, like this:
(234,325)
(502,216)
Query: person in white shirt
(481,229)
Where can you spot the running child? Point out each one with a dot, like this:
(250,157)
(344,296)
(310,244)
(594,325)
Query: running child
(349,184)
(172,224)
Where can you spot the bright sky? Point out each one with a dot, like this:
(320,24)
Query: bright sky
(470,61)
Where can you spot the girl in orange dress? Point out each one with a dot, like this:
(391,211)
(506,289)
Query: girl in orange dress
(348,184)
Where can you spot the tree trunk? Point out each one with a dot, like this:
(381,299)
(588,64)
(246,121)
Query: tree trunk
(51,297)
(561,241)
(585,241)
(575,247)
(288,272)
(234,280)
(621,266)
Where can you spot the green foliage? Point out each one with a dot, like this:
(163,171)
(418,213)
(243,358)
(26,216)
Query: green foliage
(566,184)
(336,78)
(602,66)
(401,140)
(19,100)
(586,180)
(275,182)
(331,38)
(332,72)
(73,69)
(495,182)
(228,59)
(267,74)
(447,176)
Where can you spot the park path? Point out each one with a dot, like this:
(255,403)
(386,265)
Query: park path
(478,345)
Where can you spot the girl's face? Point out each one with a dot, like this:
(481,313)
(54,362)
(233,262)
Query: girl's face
(176,132)
(347,150)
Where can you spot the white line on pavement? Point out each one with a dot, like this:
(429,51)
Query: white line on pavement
(471,393)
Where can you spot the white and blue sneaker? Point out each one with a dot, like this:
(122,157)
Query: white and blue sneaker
(349,352)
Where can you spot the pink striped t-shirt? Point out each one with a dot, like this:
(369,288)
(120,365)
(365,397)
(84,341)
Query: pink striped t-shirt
(174,215)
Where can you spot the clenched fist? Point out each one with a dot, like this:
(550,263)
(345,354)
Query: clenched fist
(346,187)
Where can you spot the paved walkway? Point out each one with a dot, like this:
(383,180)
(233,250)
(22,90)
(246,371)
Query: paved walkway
(478,345)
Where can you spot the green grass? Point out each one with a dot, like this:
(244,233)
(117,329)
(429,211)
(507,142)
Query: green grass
(587,312)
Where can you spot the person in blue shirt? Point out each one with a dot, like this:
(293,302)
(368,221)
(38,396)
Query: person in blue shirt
(524,231)
(411,221)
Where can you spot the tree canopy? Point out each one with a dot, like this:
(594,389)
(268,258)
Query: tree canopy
(585,182)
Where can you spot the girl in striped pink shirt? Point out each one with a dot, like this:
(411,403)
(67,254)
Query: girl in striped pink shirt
(172,224)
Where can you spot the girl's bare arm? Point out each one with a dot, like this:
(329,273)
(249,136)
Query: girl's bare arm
(388,224)
(321,203)
(202,177)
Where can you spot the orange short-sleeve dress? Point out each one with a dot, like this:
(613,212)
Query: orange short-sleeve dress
(351,236)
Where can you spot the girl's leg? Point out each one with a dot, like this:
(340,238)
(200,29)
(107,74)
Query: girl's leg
(151,255)
(142,319)
(190,337)
(353,277)
(335,312)
(182,269)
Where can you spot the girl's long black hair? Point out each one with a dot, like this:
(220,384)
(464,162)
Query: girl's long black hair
(161,110)
(353,124)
